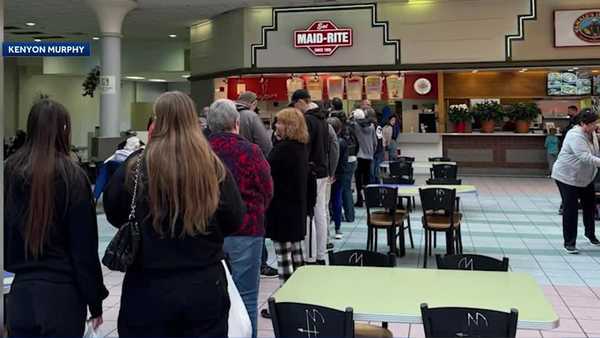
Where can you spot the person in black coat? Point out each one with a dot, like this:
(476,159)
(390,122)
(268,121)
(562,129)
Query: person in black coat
(50,234)
(286,216)
(187,202)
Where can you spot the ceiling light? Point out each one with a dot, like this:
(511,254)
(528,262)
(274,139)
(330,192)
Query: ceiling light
(157,80)
(30,24)
(172,35)
(135,77)
(185,76)
(95,38)
(37,40)
(595,71)
(475,71)
(523,70)
(575,68)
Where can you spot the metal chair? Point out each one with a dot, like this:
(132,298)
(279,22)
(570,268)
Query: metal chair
(361,258)
(445,174)
(439,159)
(446,322)
(291,320)
(406,159)
(388,217)
(471,262)
(401,172)
(441,213)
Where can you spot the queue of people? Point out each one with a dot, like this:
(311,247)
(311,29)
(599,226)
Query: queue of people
(287,187)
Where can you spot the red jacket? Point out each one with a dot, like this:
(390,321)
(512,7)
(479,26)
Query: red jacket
(253,176)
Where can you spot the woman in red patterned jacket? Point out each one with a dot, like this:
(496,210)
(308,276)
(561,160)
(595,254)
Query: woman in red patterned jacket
(253,176)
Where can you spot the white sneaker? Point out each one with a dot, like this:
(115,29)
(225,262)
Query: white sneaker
(339,235)
(571,249)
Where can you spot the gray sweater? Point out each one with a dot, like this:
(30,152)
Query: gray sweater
(578,159)
(253,130)
(367,140)
(334,152)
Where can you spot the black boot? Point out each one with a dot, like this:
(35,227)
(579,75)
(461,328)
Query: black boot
(321,262)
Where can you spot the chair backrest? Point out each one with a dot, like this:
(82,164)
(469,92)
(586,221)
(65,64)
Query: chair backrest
(377,196)
(468,322)
(402,170)
(444,171)
(406,159)
(439,159)
(438,200)
(471,262)
(361,258)
(306,320)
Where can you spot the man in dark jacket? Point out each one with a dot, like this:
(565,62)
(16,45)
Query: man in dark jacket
(318,131)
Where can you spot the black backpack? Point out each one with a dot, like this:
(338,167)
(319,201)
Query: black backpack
(351,140)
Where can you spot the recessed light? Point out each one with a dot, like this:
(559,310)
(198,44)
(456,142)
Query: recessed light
(172,35)
(157,80)
(135,77)
(185,76)
(475,71)
(37,40)
(595,71)
(95,38)
(30,24)
(523,70)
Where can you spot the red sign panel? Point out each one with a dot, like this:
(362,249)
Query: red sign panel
(323,38)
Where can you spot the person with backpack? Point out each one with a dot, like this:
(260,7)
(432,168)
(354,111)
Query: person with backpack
(351,142)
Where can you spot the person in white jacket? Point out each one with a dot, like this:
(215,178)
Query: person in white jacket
(574,171)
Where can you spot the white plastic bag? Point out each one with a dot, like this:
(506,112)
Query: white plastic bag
(239,321)
(90,332)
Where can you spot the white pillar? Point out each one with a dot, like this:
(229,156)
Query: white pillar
(110,15)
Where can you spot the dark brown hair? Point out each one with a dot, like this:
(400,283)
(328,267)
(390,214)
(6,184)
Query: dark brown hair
(44,158)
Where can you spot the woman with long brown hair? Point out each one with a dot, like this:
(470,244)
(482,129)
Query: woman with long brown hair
(187,202)
(51,234)
(286,216)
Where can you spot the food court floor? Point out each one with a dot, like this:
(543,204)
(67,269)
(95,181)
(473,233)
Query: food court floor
(513,217)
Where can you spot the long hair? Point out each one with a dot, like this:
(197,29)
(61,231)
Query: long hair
(295,125)
(183,172)
(43,158)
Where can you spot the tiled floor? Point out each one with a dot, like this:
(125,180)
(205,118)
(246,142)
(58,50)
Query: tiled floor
(513,217)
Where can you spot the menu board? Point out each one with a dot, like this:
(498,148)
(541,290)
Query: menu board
(354,87)
(596,83)
(335,87)
(395,87)
(569,83)
(373,85)
(315,88)
(294,84)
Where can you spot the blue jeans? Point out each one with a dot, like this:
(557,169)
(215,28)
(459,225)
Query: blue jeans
(347,200)
(245,257)
(336,201)
(377,159)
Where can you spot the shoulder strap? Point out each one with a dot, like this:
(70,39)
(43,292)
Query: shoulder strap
(138,174)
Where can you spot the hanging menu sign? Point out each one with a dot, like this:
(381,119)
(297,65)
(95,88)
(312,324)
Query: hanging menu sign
(373,85)
(294,84)
(315,88)
(335,87)
(354,86)
(395,86)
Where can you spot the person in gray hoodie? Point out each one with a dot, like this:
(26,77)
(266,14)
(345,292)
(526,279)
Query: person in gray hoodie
(364,131)
(574,171)
(251,126)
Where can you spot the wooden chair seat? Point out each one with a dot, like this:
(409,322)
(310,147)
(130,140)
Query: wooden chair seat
(442,221)
(384,219)
(371,331)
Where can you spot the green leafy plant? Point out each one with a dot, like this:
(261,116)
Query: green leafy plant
(459,113)
(523,111)
(91,82)
(488,111)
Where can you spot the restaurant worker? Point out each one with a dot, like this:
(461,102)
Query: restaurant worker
(574,172)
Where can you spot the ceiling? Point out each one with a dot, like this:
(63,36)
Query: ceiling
(152,19)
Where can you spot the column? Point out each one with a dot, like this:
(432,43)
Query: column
(110,15)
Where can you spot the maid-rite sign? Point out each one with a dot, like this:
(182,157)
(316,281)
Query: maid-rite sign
(322,38)
(577,28)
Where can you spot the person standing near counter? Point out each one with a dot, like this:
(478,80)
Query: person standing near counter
(364,131)
(574,172)
(390,137)
(551,145)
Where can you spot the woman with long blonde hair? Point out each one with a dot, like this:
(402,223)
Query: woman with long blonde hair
(286,216)
(187,202)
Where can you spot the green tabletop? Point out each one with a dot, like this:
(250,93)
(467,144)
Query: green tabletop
(395,294)
(411,190)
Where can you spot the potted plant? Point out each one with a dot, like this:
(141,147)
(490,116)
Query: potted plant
(523,113)
(459,114)
(488,112)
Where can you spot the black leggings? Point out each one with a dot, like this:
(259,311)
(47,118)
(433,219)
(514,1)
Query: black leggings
(178,304)
(37,308)
(570,196)
(362,177)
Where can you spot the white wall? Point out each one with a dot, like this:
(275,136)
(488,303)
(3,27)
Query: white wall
(149,91)
(11,85)
(184,87)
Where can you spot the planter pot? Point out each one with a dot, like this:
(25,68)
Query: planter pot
(488,126)
(459,127)
(522,127)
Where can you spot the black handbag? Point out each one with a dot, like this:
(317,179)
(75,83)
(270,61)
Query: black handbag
(123,248)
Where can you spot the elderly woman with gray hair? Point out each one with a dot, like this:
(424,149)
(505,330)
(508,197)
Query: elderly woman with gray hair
(252,174)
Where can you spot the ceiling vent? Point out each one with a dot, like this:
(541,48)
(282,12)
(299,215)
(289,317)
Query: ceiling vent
(27,33)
